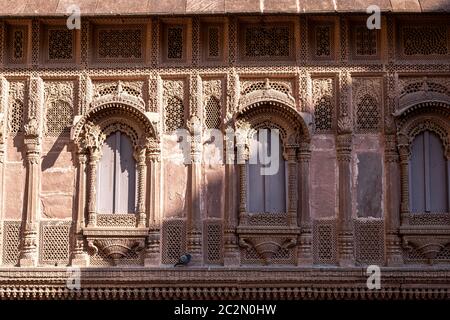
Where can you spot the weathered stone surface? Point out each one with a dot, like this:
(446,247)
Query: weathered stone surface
(323,184)
(280,6)
(369,185)
(366,142)
(242,6)
(15,149)
(14,204)
(435,5)
(58,180)
(56,206)
(214,191)
(205,6)
(406,5)
(169,6)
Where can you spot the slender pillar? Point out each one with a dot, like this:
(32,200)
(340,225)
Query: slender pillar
(79,256)
(94,157)
(194,218)
(28,251)
(392,220)
(242,167)
(345,237)
(141,173)
(305,245)
(231,248)
(152,252)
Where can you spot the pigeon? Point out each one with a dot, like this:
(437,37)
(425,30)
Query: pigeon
(183,260)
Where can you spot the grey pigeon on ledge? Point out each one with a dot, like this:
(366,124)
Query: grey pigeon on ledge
(183,260)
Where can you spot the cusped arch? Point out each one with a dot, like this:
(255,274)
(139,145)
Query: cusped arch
(113,116)
(432,116)
(294,127)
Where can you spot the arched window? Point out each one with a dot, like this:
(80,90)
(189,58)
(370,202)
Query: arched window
(429,176)
(116,178)
(266,173)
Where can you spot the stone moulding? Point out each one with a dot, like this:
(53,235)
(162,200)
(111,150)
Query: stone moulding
(235,284)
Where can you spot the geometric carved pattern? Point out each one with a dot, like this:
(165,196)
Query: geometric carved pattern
(18,39)
(367,102)
(173,240)
(323,97)
(60,44)
(212,114)
(324,241)
(212,233)
(250,86)
(425,40)
(59,118)
(173,101)
(54,242)
(369,241)
(267,219)
(365,41)
(367,115)
(116,220)
(11,242)
(16,107)
(174,114)
(175,42)
(323,41)
(59,107)
(413,255)
(123,43)
(213,42)
(270,42)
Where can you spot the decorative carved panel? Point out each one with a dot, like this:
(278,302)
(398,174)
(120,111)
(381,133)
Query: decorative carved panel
(124,44)
(213,241)
(424,40)
(54,244)
(59,110)
(325,241)
(16,110)
(173,240)
(11,242)
(266,42)
(369,241)
(367,102)
(323,96)
(17,50)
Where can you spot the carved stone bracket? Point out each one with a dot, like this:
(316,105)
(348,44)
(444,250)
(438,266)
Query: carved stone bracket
(115,249)
(267,246)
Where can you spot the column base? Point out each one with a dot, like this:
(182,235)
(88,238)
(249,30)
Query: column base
(28,262)
(152,260)
(80,260)
(232,258)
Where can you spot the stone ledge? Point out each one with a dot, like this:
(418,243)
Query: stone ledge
(188,7)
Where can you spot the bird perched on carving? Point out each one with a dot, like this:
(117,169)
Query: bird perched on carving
(183,260)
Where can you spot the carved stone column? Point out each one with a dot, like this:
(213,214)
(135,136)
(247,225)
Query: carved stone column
(304,218)
(195,218)
(28,252)
(94,157)
(242,156)
(231,248)
(152,250)
(404,151)
(141,173)
(345,237)
(393,242)
(79,256)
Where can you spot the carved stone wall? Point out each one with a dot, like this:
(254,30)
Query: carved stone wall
(347,101)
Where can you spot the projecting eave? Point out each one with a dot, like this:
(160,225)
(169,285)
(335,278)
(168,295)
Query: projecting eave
(52,8)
